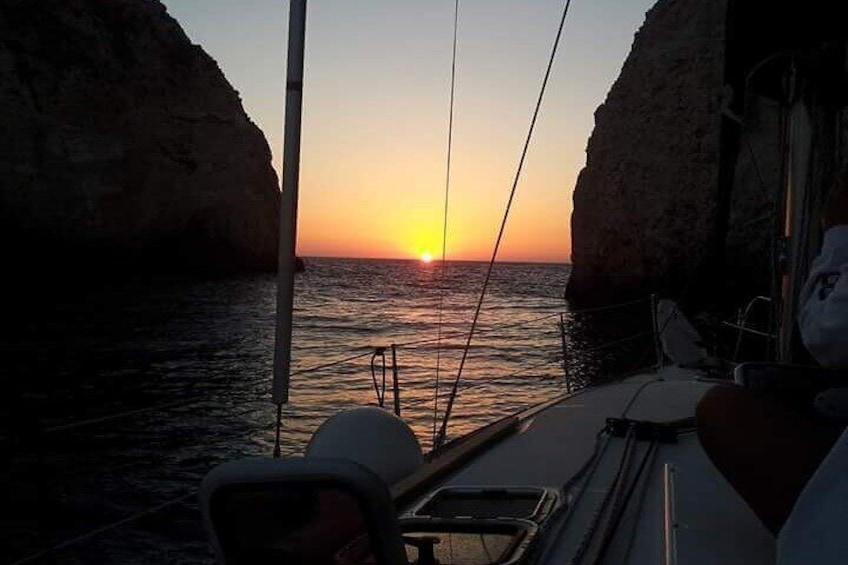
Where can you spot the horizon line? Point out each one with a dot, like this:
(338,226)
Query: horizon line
(439,260)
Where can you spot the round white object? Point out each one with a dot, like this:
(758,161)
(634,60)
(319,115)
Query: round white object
(372,437)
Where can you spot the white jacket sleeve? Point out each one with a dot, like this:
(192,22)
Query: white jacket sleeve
(823,319)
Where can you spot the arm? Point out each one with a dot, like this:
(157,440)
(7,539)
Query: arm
(823,319)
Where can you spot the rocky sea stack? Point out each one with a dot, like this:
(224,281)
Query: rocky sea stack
(689,166)
(123,146)
(645,204)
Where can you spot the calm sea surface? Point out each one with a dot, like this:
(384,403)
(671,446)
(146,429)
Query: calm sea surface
(123,397)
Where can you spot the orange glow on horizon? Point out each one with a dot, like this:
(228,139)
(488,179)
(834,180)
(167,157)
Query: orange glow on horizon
(373,148)
(426,257)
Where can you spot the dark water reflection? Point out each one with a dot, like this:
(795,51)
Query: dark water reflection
(188,364)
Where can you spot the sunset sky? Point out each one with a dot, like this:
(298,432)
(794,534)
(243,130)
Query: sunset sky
(376,100)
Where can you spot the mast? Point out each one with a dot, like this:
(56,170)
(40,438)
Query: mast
(288,202)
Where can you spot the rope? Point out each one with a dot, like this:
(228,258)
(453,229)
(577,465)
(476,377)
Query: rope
(454,389)
(620,505)
(445,217)
(611,492)
(555,526)
(636,395)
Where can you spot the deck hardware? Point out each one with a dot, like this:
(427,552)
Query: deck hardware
(669,516)
(425,546)
(488,503)
(395,380)
(379,352)
(663,432)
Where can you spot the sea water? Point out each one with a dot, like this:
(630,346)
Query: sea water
(125,394)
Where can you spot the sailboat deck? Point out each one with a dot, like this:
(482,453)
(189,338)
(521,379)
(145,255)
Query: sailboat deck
(682,510)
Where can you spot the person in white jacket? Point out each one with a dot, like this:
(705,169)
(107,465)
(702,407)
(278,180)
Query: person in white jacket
(823,320)
(814,531)
(770,451)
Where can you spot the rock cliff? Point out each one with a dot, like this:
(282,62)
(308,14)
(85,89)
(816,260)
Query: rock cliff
(688,166)
(123,146)
(645,205)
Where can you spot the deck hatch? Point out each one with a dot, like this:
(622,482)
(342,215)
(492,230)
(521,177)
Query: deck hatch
(455,542)
(486,503)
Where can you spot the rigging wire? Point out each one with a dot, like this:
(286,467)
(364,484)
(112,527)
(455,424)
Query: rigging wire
(73,425)
(505,326)
(486,382)
(112,417)
(334,363)
(103,529)
(443,429)
(278,425)
(620,506)
(445,217)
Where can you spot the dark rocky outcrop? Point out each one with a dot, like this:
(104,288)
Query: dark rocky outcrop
(645,204)
(123,146)
(683,189)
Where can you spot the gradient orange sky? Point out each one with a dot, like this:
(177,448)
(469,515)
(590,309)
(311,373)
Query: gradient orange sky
(375,115)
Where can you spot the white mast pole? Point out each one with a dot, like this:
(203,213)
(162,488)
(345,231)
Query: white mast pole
(288,202)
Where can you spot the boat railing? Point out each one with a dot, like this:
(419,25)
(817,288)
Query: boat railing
(561,352)
(564,350)
(385,361)
(742,327)
(561,347)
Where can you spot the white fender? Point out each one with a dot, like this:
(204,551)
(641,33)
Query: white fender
(372,437)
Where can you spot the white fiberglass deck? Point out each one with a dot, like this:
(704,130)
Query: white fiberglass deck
(712,524)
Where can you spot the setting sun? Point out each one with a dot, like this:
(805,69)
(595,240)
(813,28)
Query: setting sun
(426,257)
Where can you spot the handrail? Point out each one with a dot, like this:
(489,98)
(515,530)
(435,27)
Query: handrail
(742,324)
(381,392)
